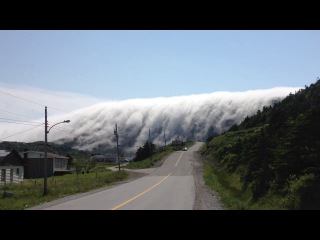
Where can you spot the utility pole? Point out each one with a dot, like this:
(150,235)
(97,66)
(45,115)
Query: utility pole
(116,134)
(45,166)
(45,163)
(150,145)
(164,134)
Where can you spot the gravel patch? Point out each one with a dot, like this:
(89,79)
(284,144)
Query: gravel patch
(206,198)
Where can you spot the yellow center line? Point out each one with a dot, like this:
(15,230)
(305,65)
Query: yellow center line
(179,159)
(139,195)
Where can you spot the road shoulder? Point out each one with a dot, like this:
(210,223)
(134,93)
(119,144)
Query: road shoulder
(133,175)
(206,198)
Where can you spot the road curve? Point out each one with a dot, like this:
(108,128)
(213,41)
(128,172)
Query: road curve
(169,187)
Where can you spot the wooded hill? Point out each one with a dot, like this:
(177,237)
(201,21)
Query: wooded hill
(62,149)
(275,154)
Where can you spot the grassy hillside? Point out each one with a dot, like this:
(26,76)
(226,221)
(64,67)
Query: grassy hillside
(272,159)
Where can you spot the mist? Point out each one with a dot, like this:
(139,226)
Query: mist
(183,118)
(192,117)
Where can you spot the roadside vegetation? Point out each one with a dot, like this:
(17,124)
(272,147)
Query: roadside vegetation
(86,176)
(160,154)
(270,160)
(30,192)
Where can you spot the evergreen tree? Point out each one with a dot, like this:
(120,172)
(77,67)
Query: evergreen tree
(277,150)
(144,152)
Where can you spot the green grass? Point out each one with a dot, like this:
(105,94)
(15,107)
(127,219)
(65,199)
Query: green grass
(30,192)
(101,166)
(227,186)
(218,176)
(233,197)
(148,163)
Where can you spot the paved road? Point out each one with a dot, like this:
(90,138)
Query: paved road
(169,187)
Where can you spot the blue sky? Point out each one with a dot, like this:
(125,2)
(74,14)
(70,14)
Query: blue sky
(118,65)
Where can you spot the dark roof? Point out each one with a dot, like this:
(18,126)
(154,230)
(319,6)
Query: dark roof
(11,159)
(49,155)
(3,153)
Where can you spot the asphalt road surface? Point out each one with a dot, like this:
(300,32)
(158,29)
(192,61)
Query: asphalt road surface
(169,187)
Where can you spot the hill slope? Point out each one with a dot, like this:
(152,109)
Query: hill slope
(39,146)
(272,159)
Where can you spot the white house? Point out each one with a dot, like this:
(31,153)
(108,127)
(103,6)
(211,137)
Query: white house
(128,158)
(11,167)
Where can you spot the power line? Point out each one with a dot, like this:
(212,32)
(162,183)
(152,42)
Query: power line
(19,120)
(19,132)
(41,104)
(56,128)
(16,114)
(66,112)
(20,123)
(21,98)
(32,124)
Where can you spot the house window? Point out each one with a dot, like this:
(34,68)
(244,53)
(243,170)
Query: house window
(3,175)
(18,171)
(60,164)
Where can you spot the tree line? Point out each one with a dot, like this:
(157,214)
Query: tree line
(277,151)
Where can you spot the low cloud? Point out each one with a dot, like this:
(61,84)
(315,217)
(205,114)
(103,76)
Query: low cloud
(92,124)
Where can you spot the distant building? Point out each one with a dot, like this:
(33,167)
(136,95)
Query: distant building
(34,164)
(128,158)
(177,143)
(11,167)
(109,157)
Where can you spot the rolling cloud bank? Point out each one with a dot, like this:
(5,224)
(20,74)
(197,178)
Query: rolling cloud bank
(191,117)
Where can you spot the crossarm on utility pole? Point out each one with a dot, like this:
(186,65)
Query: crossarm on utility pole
(117,137)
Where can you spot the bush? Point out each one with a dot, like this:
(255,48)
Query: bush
(304,192)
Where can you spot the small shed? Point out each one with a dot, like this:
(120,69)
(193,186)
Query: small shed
(34,164)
